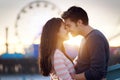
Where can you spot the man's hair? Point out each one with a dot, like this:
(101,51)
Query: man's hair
(75,13)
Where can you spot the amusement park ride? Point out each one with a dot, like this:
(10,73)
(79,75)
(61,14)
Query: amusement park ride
(33,16)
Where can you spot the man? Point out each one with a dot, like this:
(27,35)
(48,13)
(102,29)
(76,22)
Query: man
(92,62)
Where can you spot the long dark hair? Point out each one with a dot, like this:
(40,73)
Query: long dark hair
(48,45)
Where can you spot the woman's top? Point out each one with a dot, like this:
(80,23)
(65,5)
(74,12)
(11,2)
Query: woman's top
(63,67)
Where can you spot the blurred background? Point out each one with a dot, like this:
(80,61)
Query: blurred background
(21,24)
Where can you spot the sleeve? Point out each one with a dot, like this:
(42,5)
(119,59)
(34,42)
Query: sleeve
(60,68)
(96,48)
(75,60)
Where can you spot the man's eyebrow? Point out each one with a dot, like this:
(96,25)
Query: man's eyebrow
(66,24)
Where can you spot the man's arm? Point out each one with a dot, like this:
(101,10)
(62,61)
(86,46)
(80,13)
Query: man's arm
(98,59)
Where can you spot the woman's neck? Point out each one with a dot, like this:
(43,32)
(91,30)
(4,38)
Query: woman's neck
(59,45)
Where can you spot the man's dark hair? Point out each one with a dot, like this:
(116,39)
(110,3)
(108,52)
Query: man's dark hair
(75,13)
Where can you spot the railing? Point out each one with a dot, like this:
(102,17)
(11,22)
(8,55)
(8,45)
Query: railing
(19,66)
(113,72)
(30,67)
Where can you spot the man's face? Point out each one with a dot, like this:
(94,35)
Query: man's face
(72,27)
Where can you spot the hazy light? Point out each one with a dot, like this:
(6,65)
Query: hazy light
(31,20)
(29,26)
(31,23)
(72,45)
(2,49)
(115,42)
(74,41)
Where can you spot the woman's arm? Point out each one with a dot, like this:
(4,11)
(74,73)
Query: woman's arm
(60,68)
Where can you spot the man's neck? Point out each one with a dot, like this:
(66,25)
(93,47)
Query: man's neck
(87,30)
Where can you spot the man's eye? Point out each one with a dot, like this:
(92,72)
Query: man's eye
(65,27)
(68,26)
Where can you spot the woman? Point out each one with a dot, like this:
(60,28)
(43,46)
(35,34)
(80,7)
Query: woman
(53,59)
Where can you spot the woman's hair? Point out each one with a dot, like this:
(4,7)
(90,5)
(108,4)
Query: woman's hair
(48,45)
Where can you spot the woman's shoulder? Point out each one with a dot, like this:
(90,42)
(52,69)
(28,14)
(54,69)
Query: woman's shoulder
(58,53)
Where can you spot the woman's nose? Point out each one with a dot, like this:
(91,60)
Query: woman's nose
(67,30)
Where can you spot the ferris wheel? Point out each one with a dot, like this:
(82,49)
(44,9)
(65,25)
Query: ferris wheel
(31,18)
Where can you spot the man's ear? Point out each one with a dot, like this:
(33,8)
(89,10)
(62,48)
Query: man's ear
(79,22)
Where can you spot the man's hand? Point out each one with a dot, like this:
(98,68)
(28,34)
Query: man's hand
(78,76)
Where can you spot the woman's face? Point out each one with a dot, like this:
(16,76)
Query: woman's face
(63,32)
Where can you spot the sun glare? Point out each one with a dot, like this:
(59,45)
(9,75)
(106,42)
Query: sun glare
(72,45)
(74,41)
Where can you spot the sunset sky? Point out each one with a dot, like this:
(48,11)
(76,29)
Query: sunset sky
(103,15)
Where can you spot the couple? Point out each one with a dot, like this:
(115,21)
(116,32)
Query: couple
(92,60)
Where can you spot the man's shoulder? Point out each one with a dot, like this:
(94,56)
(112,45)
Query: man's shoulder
(96,35)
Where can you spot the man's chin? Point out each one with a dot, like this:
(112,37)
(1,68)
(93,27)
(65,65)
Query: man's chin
(74,35)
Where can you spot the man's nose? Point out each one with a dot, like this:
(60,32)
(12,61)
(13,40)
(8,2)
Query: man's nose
(68,29)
